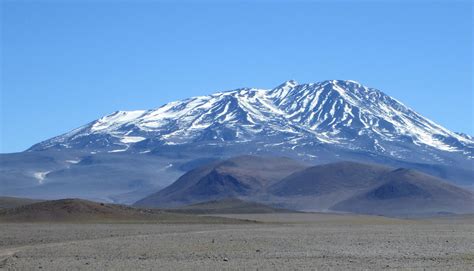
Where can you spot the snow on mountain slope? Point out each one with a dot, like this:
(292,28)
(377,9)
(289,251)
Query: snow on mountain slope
(291,116)
(336,107)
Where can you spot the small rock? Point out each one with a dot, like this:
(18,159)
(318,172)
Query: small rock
(225,259)
(258,250)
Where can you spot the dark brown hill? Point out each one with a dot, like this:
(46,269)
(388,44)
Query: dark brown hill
(83,211)
(242,176)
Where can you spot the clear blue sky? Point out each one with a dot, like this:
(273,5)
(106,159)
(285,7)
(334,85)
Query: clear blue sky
(66,63)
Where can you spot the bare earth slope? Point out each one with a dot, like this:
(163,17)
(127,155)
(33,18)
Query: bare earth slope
(408,192)
(342,186)
(242,176)
(82,211)
(229,206)
(334,177)
(370,189)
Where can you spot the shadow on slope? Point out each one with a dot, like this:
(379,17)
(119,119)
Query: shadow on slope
(408,192)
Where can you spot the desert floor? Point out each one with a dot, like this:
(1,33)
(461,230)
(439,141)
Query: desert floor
(283,242)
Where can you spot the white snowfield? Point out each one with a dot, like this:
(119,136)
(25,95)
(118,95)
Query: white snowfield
(330,112)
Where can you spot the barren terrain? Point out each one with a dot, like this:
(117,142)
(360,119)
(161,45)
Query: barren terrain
(283,242)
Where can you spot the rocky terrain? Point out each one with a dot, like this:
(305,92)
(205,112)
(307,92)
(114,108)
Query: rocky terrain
(286,241)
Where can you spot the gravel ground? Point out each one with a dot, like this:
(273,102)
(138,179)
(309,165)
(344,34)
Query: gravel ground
(306,242)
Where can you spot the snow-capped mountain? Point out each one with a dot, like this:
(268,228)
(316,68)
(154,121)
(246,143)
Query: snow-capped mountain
(292,116)
(127,155)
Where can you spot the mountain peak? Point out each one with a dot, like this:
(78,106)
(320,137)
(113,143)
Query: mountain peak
(343,81)
(289,83)
(283,89)
(285,86)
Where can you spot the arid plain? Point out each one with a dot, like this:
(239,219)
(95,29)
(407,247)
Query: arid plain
(279,241)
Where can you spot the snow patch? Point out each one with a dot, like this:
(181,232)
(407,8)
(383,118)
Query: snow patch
(40,176)
(132,139)
(72,161)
